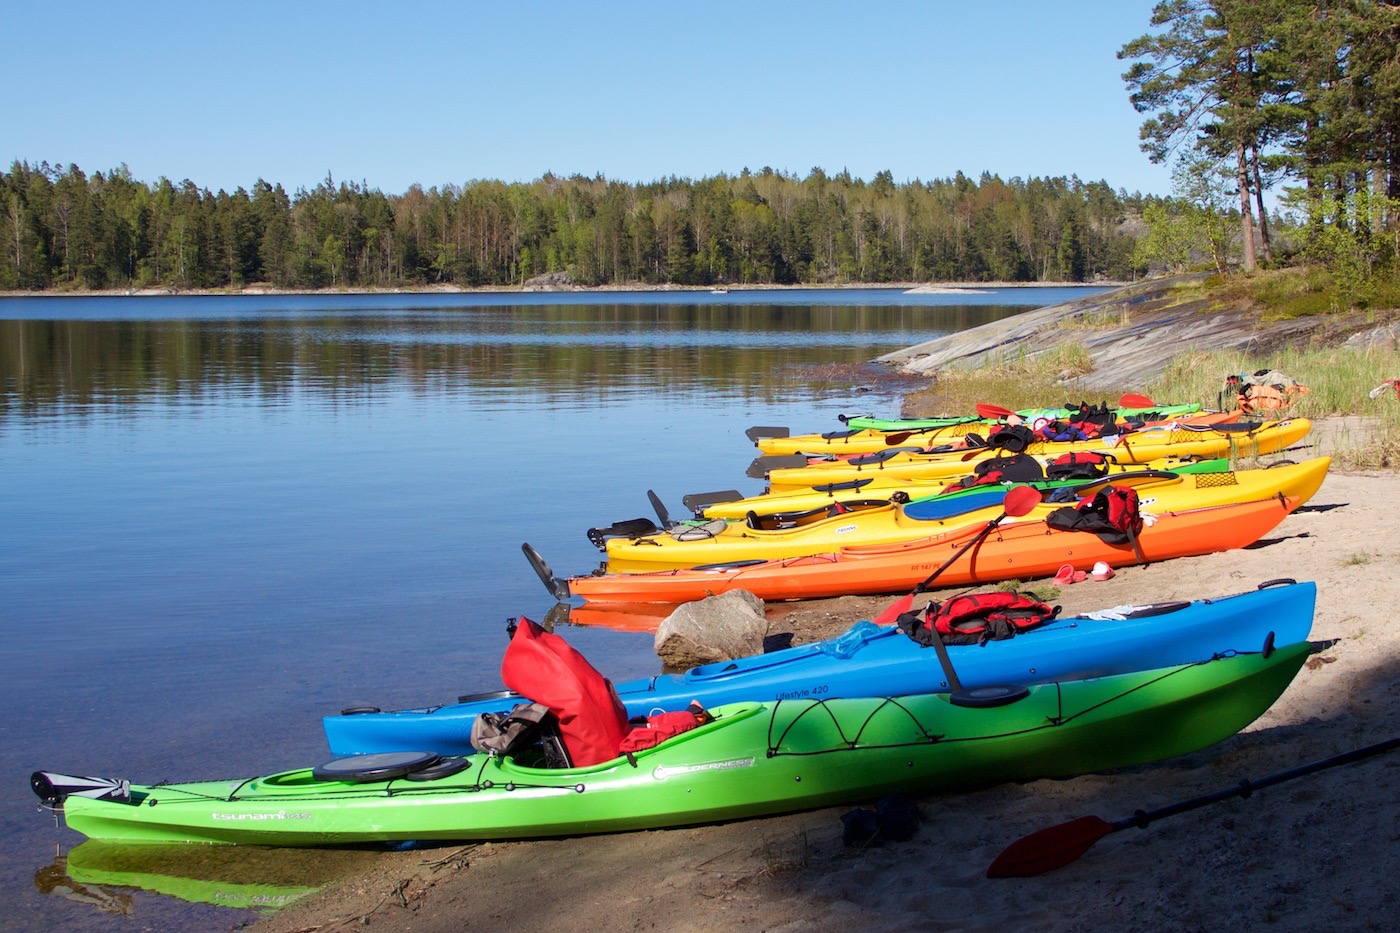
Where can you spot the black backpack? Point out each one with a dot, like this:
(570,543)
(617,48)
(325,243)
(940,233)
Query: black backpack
(1111,513)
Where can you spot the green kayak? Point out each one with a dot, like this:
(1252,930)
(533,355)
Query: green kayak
(861,423)
(752,759)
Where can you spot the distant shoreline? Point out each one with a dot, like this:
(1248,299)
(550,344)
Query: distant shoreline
(259,289)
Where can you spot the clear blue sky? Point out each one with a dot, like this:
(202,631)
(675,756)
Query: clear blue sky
(392,93)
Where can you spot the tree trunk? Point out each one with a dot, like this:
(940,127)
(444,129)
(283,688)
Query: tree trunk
(1246,215)
(1265,239)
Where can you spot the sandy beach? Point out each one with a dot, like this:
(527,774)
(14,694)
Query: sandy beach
(1312,853)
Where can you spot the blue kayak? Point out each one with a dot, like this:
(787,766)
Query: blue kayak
(873,660)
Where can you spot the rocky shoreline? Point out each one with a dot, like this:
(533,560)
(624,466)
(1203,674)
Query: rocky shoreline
(1281,859)
(1131,333)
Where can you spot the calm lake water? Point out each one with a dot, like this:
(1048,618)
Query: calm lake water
(224,517)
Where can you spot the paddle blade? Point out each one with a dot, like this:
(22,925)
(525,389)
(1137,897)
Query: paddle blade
(895,609)
(558,588)
(1020,500)
(761,465)
(1136,401)
(760,431)
(992,411)
(661,513)
(1048,849)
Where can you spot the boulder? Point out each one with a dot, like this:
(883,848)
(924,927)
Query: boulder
(720,628)
(549,282)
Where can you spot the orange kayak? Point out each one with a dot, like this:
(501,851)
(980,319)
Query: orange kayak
(1022,550)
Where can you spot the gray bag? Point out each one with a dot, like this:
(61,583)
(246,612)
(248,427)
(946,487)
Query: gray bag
(507,733)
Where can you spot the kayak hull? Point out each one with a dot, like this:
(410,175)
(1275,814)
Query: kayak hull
(862,423)
(872,487)
(891,524)
(1138,447)
(752,760)
(862,439)
(1022,550)
(873,660)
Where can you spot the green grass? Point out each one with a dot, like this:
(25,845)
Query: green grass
(1339,382)
(1014,380)
(1296,291)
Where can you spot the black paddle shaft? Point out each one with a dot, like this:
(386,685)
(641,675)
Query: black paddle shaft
(977,539)
(1245,788)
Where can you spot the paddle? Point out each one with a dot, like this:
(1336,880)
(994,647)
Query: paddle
(1057,846)
(697,502)
(661,513)
(1019,501)
(1136,401)
(558,588)
(992,411)
(759,431)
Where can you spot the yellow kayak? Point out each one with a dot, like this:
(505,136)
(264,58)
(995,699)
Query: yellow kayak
(883,486)
(824,530)
(1139,447)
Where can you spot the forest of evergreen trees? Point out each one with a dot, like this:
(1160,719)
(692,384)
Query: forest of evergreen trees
(1243,97)
(63,228)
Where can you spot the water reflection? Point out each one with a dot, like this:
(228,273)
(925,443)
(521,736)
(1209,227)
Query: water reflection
(100,875)
(558,351)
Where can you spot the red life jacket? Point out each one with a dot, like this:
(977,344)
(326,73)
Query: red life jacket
(659,727)
(976,618)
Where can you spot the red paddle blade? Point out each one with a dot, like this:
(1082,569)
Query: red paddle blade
(1020,500)
(1047,849)
(992,411)
(1136,401)
(895,609)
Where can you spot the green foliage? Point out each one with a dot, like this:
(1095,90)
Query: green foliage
(1299,291)
(1271,88)
(61,228)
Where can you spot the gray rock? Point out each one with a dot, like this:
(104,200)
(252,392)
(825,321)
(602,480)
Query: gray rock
(720,628)
(549,282)
(1378,338)
(1130,333)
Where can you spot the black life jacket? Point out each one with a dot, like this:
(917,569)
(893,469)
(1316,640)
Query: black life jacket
(1094,420)
(1014,438)
(1017,468)
(1078,465)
